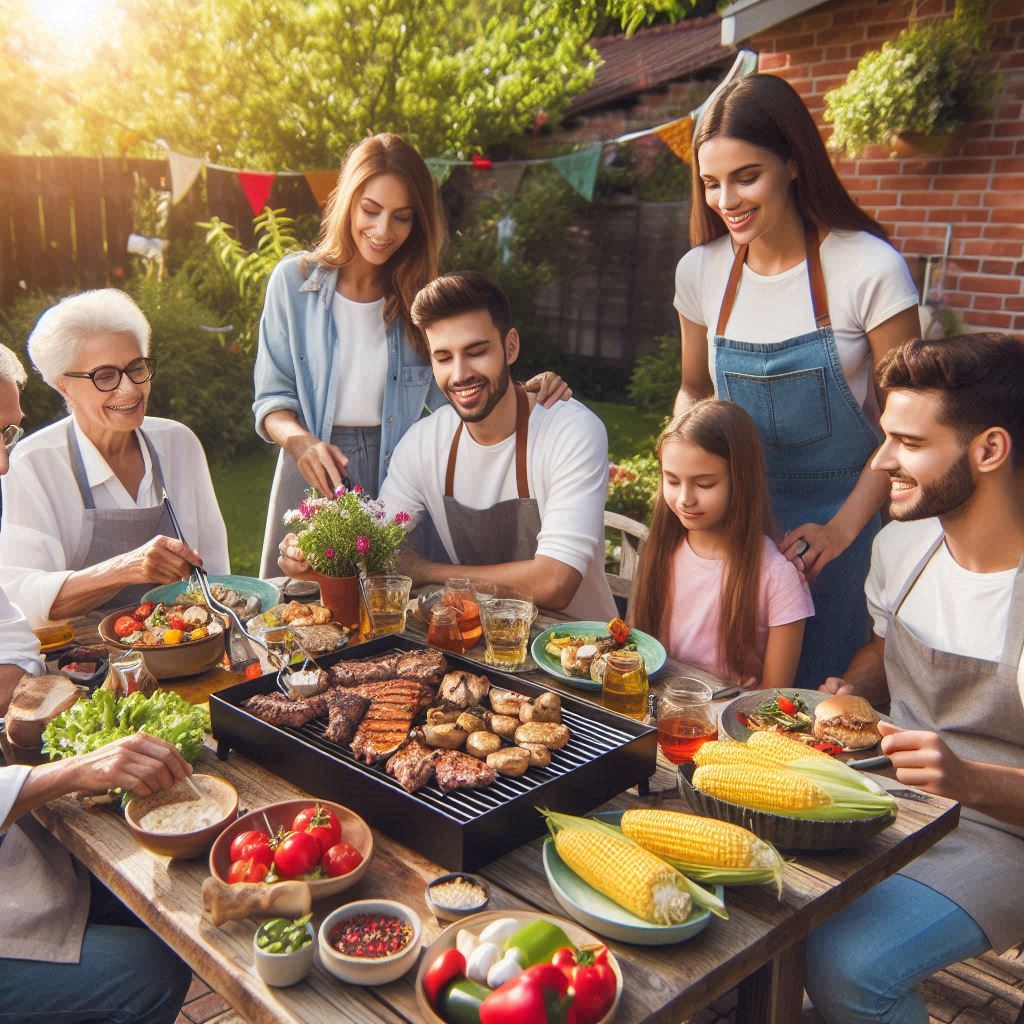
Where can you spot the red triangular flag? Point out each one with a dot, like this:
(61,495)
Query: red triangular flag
(256,185)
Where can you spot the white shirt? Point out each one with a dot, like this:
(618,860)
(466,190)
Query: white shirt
(42,507)
(567,469)
(18,645)
(949,608)
(866,279)
(12,778)
(363,361)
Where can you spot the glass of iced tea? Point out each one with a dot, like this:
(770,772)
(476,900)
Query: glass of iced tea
(387,598)
(506,624)
(686,719)
(624,689)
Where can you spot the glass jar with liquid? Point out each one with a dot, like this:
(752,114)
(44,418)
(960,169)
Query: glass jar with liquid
(458,594)
(625,687)
(443,630)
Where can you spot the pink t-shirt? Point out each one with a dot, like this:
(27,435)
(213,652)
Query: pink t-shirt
(697,592)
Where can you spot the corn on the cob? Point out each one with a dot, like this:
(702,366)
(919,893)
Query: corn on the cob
(696,840)
(730,752)
(763,789)
(625,873)
(782,750)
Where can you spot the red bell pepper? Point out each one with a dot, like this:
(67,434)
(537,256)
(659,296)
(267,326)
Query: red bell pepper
(592,981)
(540,995)
(451,964)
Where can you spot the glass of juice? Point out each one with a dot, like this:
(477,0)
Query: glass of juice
(506,625)
(387,598)
(624,689)
(458,594)
(686,719)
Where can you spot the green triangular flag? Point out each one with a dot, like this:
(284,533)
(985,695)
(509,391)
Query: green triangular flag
(580,169)
(440,169)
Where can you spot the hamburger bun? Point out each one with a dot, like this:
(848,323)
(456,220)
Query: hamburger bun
(847,720)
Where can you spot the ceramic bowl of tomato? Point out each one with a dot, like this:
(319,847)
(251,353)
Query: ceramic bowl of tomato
(166,662)
(317,841)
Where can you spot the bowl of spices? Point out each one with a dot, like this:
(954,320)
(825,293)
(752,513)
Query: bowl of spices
(457,895)
(370,942)
(282,950)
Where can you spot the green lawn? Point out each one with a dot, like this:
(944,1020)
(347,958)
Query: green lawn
(243,486)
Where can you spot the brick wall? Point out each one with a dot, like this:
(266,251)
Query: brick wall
(979,191)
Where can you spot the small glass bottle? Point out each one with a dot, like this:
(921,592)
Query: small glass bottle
(132,675)
(686,719)
(458,594)
(625,686)
(444,628)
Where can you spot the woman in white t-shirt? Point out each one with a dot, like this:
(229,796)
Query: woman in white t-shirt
(789,298)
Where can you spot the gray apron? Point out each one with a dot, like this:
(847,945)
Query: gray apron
(976,707)
(505,532)
(109,532)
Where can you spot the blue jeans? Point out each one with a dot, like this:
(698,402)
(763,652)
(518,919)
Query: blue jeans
(126,975)
(864,964)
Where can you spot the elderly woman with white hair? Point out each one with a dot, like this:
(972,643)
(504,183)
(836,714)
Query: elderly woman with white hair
(84,523)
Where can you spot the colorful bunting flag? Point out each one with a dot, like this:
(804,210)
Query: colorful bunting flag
(321,184)
(580,169)
(256,185)
(507,176)
(440,169)
(678,136)
(184,171)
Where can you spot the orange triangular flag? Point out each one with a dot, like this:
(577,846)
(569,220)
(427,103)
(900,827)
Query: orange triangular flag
(321,184)
(678,136)
(256,185)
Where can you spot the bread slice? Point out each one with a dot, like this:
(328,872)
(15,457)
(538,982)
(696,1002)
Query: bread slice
(36,702)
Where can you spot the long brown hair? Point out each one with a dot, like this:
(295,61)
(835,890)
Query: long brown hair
(766,111)
(726,430)
(416,262)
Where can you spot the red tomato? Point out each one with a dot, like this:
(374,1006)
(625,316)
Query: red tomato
(125,625)
(786,706)
(254,671)
(297,854)
(245,840)
(321,823)
(144,610)
(340,859)
(249,870)
(177,622)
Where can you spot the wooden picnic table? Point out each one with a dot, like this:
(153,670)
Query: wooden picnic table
(760,948)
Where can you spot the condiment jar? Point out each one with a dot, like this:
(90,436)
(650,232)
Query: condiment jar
(624,688)
(444,628)
(130,674)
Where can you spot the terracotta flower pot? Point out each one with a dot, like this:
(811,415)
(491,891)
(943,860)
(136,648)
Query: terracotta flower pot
(341,595)
(908,144)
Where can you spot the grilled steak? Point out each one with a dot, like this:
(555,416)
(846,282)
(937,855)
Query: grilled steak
(345,711)
(423,666)
(456,770)
(393,706)
(464,688)
(367,670)
(318,703)
(413,765)
(277,709)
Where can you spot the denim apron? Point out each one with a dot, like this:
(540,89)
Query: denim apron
(109,532)
(977,708)
(817,441)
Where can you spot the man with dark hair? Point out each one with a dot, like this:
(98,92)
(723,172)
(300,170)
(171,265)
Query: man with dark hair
(514,496)
(946,592)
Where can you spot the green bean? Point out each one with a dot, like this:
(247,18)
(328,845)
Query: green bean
(274,947)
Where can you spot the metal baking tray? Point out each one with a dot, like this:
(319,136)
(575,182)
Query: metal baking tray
(468,828)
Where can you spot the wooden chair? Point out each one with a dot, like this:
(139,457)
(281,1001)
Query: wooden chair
(633,534)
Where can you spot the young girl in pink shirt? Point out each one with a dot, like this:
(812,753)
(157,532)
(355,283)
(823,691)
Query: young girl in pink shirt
(711,583)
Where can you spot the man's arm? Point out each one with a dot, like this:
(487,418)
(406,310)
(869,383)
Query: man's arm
(865,675)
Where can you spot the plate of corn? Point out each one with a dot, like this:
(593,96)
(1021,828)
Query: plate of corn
(787,793)
(618,889)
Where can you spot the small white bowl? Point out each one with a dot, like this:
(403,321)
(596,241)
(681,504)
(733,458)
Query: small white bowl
(446,913)
(360,971)
(283,969)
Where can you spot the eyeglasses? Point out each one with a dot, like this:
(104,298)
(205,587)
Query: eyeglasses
(11,434)
(108,378)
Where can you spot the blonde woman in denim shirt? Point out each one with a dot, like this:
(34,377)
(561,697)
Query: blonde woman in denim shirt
(341,373)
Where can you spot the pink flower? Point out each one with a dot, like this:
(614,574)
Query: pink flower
(339,490)
(363,545)
(358,488)
(402,517)
(304,510)
(329,553)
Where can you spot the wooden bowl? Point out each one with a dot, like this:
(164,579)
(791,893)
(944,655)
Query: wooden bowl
(780,830)
(354,831)
(187,659)
(183,845)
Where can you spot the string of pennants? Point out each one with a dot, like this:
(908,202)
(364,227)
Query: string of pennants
(578,168)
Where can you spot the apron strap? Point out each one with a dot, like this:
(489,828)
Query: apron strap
(819,296)
(915,574)
(154,462)
(78,467)
(522,430)
(1013,647)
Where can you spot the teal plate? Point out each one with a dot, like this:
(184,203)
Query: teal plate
(585,904)
(654,654)
(248,585)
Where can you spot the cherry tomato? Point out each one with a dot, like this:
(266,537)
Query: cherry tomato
(144,610)
(177,622)
(321,823)
(249,870)
(340,859)
(254,671)
(297,853)
(245,841)
(786,706)
(126,625)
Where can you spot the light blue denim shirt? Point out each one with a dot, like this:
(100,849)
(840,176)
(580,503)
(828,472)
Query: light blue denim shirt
(297,367)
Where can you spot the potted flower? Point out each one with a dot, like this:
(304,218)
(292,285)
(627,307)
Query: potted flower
(919,91)
(342,536)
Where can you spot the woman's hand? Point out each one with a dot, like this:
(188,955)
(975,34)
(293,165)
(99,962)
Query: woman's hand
(812,546)
(549,388)
(292,561)
(160,560)
(322,465)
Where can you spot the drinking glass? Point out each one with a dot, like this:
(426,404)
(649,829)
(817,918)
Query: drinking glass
(458,594)
(387,599)
(506,624)
(686,719)
(625,687)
